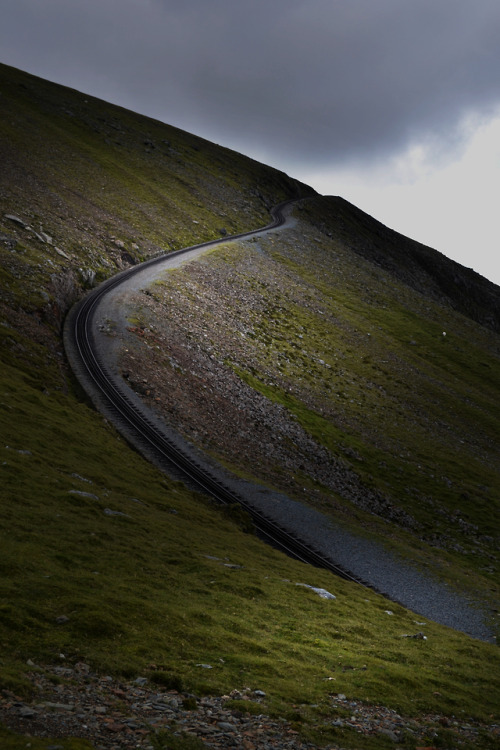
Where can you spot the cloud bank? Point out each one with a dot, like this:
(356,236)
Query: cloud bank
(316,82)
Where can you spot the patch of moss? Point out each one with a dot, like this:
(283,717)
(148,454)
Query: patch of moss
(13,741)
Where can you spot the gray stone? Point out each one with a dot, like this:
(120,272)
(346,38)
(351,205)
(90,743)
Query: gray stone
(87,276)
(46,237)
(26,712)
(82,479)
(83,494)
(16,220)
(389,733)
(323,593)
(225,727)
(66,671)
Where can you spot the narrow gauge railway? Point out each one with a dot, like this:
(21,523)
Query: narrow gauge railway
(110,397)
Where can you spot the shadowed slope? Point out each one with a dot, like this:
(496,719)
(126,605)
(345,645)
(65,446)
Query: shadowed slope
(108,562)
(422,268)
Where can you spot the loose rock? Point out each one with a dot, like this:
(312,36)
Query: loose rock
(116,715)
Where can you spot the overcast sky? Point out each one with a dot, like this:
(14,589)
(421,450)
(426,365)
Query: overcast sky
(393,104)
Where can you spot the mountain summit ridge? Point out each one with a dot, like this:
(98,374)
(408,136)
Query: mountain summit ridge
(421,267)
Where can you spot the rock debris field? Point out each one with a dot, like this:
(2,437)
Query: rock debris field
(170,338)
(116,715)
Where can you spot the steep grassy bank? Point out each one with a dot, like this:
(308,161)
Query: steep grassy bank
(150,580)
(104,560)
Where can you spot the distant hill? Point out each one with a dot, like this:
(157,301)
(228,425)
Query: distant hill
(420,267)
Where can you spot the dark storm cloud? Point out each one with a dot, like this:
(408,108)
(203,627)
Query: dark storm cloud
(301,81)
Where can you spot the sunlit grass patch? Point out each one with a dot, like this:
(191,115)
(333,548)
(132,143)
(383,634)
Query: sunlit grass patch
(154,586)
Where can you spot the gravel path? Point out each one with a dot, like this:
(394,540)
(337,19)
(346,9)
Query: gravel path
(366,560)
(396,578)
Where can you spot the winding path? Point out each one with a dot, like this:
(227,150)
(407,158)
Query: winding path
(89,359)
(92,352)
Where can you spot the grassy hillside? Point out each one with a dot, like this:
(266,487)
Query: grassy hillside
(106,561)
(296,337)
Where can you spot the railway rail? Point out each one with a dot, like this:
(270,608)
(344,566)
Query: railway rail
(117,402)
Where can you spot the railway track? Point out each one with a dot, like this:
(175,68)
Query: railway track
(112,397)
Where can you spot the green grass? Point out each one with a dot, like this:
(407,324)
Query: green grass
(12,741)
(379,365)
(359,360)
(104,179)
(143,588)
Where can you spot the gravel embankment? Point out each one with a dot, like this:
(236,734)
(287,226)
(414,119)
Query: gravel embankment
(366,560)
(401,582)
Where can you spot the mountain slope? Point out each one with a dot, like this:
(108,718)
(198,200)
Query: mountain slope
(108,562)
(316,372)
(420,267)
(111,187)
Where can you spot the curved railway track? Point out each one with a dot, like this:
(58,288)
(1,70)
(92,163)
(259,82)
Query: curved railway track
(110,396)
